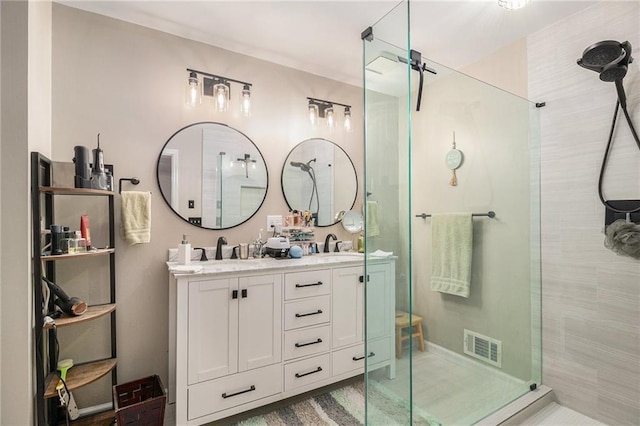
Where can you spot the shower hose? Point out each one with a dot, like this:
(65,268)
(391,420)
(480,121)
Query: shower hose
(606,154)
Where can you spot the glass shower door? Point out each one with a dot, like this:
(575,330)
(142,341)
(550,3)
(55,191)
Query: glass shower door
(387,212)
(455,358)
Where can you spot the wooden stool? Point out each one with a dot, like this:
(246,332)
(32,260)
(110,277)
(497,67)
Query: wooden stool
(415,330)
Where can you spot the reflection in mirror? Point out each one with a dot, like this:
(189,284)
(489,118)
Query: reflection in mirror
(212,175)
(319,176)
(352,222)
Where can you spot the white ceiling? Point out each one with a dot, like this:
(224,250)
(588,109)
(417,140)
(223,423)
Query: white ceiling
(323,37)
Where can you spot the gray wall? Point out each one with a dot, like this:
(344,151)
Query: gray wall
(127,82)
(492,130)
(591,296)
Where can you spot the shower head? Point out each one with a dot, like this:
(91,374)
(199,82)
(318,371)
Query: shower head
(302,166)
(609,58)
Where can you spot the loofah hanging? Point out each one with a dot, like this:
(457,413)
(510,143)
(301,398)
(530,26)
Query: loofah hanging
(623,238)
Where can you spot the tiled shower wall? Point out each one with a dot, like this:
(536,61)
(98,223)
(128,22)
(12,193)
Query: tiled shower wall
(591,296)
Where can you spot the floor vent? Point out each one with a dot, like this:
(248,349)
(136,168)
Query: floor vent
(482,347)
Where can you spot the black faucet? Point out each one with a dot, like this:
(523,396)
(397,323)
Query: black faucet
(337,249)
(326,242)
(221,241)
(203,257)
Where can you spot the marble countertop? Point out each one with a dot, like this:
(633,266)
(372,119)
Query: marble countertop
(213,267)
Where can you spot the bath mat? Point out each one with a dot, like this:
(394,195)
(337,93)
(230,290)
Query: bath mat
(344,407)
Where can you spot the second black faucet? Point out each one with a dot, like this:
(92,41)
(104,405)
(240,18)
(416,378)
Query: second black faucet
(221,241)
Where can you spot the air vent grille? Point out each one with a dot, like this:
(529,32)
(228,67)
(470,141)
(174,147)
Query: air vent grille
(483,347)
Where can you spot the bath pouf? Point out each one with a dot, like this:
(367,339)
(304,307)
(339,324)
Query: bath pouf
(623,238)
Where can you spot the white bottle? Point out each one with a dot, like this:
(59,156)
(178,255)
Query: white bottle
(184,252)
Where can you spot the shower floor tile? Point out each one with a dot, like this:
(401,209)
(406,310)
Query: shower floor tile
(455,390)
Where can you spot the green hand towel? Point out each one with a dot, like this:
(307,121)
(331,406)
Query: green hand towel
(451,250)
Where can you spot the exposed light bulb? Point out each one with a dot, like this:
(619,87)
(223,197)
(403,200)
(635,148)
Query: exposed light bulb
(347,119)
(513,4)
(221,94)
(192,95)
(331,121)
(245,101)
(313,114)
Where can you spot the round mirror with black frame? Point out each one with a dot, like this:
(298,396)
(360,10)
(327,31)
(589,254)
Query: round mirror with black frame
(212,175)
(318,176)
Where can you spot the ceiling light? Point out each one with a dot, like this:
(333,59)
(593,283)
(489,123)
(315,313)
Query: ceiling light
(513,4)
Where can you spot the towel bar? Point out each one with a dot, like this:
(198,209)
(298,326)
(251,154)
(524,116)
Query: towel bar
(490,214)
(133,180)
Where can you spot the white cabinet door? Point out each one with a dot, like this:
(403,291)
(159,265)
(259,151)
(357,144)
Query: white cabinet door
(213,329)
(347,296)
(379,312)
(260,321)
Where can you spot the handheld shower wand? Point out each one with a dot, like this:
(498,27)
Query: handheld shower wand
(611,59)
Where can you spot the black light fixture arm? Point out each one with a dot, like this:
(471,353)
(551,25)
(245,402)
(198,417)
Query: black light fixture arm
(219,77)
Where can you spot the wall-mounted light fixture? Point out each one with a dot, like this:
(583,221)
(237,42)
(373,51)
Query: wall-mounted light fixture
(245,164)
(217,87)
(513,4)
(319,108)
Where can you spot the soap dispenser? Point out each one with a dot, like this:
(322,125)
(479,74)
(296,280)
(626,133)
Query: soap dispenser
(184,251)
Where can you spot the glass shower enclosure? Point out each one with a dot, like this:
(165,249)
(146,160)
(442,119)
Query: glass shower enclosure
(465,350)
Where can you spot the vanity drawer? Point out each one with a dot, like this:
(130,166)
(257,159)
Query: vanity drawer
(306,372)
(305,312)
(348,359)
(236,389)
(353,358)
(306,341)
(307,284)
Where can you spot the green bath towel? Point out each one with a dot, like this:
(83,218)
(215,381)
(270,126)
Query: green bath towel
(451,249)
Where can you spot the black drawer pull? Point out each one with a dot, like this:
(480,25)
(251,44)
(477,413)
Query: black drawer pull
(252,388)
(298,375)
(308,285)
(358,358)
(319,311)
(299,345)
(234,294)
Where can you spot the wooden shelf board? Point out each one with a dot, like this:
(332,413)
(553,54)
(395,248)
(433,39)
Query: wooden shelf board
(98,252)
(79,375)
(91,313)
(74,191)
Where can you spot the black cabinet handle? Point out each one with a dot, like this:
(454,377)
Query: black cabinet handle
(319,311)
(361,278)
(358,358)
(252,388)
(298,375)
(234,294)
(244,292)
(308,285)
(300,345)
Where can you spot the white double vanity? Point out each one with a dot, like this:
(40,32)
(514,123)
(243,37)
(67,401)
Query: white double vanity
(245,333)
